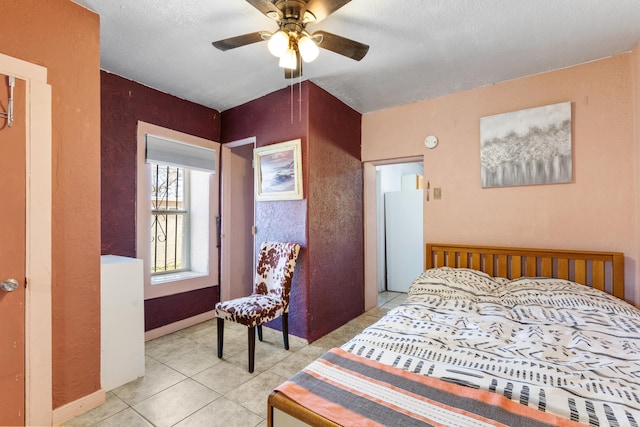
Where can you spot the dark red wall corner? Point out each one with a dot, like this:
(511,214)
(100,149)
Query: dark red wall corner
(123,104)
(336,230)
(270,120)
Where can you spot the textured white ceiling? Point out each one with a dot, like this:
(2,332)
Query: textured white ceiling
(420,49)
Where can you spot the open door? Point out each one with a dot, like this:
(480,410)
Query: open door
(238,251)
(238,219)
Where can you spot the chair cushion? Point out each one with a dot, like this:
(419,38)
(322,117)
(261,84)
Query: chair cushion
(251,311)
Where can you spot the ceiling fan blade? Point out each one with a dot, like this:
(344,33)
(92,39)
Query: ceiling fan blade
(297,72)
(323,8)
(243,40)
(342,45)
(266,7)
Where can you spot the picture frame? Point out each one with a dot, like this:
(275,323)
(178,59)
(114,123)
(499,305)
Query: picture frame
(278,171)
(527,147)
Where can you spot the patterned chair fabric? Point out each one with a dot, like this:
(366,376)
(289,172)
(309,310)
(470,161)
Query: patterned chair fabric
(270,297)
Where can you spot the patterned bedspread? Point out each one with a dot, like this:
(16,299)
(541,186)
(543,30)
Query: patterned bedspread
(548,344)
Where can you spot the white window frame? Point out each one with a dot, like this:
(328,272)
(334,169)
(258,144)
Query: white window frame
(204,270)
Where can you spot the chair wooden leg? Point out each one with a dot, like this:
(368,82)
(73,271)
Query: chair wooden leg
(285,330)
(260,332)
(220,336)
(252,347)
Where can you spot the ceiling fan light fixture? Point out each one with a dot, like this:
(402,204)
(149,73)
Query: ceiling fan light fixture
(308,48)
(291,42)
(289,60)
(279,43)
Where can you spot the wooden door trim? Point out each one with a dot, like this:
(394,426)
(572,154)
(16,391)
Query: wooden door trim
(38,321)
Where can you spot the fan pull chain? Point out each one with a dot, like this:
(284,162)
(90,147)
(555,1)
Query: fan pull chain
(300,97)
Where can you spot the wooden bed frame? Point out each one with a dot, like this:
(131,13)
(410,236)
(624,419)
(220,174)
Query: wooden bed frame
(601,270)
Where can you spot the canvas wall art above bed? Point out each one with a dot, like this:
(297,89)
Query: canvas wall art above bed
(471,349)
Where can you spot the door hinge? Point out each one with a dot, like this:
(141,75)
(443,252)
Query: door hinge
(25,282)
(218,231)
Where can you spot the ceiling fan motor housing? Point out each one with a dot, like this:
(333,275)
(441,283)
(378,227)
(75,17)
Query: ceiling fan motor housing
(294,10)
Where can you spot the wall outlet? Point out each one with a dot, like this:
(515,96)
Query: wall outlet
(437,193)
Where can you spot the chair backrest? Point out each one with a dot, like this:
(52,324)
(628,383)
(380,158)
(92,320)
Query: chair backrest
(274,272)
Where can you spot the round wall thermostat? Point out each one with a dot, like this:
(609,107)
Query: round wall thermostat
(430,141)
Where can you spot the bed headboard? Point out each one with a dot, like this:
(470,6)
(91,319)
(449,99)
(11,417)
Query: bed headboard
(601,270)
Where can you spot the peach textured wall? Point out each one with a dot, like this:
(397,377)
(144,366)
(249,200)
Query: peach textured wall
(64,38)
(598,211)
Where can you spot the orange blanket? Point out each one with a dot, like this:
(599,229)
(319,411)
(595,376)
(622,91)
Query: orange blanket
(350,390)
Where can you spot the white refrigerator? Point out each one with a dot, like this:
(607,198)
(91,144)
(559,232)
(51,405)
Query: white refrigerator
(403,235)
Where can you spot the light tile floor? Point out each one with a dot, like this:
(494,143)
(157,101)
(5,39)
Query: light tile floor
(186,385)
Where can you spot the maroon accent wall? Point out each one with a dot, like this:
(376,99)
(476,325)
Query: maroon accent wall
(328,287)
(166,310)
(269,120)
(335,205)
(123,104)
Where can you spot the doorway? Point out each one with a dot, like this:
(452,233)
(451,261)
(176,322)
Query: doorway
(400,224)
(238,219)
(374,232)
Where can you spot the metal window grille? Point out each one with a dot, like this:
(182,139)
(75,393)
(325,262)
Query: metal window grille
(169,219)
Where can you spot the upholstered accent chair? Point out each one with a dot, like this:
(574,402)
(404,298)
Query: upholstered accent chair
(270,297)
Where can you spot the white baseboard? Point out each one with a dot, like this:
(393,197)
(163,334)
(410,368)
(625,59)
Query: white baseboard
(180,324)
(77,407)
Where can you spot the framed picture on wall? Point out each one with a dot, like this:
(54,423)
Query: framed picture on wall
(278,171)
(527,147)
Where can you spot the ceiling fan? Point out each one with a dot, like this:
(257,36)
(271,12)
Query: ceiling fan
(292,43)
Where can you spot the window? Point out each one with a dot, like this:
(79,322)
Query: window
(169,219)
(177,205)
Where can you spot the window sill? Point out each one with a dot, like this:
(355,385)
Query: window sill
(176,277)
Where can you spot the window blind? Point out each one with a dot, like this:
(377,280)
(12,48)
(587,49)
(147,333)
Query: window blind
(166,151)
